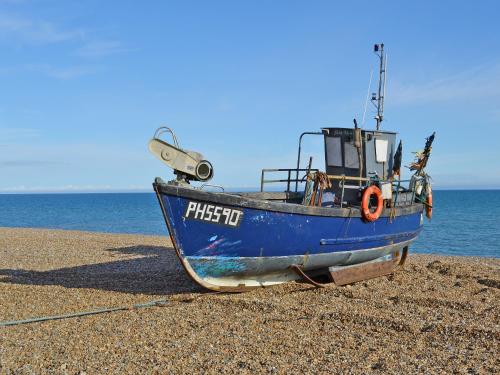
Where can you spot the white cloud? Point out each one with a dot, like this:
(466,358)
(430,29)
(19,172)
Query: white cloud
(18,134)
(28,163)
(479,82)
(16,29)
(101,48)
(34,31)
(494,114)
(63,73)
(75,167)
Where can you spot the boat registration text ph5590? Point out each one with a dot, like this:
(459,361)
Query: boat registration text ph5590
(213,214)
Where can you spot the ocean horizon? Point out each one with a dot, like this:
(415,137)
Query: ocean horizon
(464,221)
(229,189)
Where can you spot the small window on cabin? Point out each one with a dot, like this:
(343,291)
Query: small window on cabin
(333,152)
(381,148)
(351,155)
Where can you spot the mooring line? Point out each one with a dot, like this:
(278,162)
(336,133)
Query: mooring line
(83,313)
(299,271)
(159,302)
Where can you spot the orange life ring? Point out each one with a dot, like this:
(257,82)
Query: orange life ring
(365,202)
(428,206)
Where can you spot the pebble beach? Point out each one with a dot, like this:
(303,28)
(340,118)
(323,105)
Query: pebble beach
(439,315)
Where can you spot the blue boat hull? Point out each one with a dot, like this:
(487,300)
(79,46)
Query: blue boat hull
(256,242)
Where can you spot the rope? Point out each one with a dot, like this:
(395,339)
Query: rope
(83,313)
(159,302)
(308,191)
(392,214)
(314,196)
(424,202)
(298,270)
(402,260)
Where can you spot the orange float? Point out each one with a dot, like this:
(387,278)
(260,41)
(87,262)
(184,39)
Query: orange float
(368,215)
(428,206)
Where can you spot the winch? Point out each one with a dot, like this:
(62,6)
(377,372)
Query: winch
(187,165)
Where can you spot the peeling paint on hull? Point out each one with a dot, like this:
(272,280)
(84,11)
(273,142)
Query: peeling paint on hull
(266,271)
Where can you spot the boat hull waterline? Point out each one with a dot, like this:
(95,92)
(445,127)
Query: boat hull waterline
(228,242)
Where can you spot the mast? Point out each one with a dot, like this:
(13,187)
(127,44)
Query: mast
(379,97)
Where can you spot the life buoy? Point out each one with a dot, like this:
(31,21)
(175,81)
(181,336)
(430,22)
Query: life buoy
(365,203)
(428,206)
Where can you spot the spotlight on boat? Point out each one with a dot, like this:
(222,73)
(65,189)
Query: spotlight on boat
(204,170)
(187,165)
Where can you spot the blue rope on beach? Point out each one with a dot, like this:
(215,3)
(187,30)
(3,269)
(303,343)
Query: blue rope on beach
(83,313)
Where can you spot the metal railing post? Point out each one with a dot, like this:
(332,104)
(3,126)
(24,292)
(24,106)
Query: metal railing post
(342,196)
(298,156)
(288,180)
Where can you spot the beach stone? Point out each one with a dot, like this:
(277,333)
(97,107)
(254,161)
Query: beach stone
(420,320)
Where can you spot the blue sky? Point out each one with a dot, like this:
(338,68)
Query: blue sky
(84,84)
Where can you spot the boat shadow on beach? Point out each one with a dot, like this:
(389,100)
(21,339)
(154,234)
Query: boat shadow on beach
(153,270)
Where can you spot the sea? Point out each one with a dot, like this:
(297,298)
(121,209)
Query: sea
(464,222)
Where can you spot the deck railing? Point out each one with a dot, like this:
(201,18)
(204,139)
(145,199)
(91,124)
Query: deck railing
(341,178)
(393,182)
(289,178)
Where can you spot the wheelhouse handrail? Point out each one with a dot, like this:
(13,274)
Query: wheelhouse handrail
(366,179)
(343,178)
(351,178)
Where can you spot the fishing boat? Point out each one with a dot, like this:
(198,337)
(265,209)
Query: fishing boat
(352,221)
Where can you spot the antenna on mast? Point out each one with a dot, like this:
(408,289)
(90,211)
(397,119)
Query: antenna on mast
(367,97)
(379,97)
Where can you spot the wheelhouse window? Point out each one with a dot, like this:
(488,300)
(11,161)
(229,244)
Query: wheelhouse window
(381,148)
(351,155)
(333,152)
